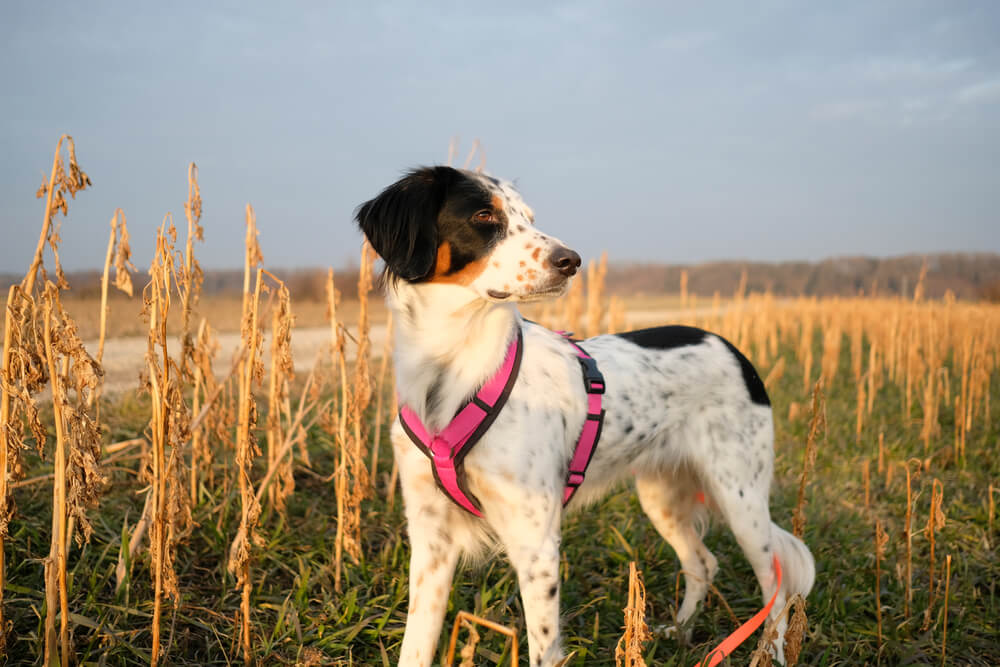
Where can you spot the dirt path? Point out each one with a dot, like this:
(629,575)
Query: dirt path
(124,358)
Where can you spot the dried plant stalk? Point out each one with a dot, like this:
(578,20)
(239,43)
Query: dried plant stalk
(636,633)
(282,372)
(379,393)
(860,410)
(157,302)
(775,374)
(468,652)
(296,434)
(464,618)
(935,522)
(170,515)
(817,426)
(55,564)
(190,274)
(908,532)
(573,306)
(991,510)
(881,541)
(866,477)
(596,274)
(204,380)
(339,362)
(947,592)
(246,442)
(8,449)
(796,630)
(41,345)
(616,315)
(353,478)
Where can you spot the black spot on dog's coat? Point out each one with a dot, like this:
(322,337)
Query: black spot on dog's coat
(675,336)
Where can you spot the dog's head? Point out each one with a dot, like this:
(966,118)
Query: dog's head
(445,225)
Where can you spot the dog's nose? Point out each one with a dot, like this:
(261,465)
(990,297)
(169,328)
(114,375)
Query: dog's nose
(564,260)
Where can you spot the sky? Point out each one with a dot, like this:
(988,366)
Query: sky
(658,131)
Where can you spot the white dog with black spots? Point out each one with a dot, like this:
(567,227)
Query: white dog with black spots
(687,417)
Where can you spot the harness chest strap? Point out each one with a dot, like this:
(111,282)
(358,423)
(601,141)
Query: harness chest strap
(447,449)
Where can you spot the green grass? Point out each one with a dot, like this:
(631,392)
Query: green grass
(297,616)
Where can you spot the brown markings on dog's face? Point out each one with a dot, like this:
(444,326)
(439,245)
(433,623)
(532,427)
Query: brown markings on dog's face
(443,262)
(463,276)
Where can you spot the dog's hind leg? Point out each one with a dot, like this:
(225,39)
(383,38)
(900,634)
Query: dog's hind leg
(742,497)
(669,501)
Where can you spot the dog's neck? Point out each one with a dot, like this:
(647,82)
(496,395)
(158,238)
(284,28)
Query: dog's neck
(448,343)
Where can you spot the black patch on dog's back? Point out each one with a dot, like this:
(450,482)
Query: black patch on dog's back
(758,393)
(674,336)
(665,338)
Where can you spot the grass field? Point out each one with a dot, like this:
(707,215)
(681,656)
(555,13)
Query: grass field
(297,616)
(209,544)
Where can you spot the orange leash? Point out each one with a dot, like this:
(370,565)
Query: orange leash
(742,633)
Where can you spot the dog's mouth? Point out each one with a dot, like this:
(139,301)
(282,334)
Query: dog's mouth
(547,291)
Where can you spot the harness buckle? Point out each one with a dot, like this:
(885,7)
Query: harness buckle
(441,451)
(593,379)
(574,478)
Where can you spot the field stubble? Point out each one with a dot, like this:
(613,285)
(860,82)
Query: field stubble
(245,463)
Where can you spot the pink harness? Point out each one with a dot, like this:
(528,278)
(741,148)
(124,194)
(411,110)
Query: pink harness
(447,449)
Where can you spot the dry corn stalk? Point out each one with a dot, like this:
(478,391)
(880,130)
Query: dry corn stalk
(629,648)
(119,253)
(353,483)
(55,564)
(817,427)
(796,632)
(170,514)
(464,618)
(947,591)
(41,345)
(189,274)
(616,315)
(866,477)
(380,390)
(296,433)
(596,274)
(775,374)
(573,306)
(205,348)
(908,533)
(251,372)
(935,522)
(881,541)
(282,372)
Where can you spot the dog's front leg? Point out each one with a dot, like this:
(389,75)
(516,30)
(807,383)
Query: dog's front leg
(432,566)
(532,542)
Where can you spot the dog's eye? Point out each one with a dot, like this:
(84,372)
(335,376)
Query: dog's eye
(484,216)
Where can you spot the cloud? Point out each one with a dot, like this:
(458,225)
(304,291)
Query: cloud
(984,91)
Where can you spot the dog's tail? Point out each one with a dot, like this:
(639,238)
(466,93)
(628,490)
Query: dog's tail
(797,564)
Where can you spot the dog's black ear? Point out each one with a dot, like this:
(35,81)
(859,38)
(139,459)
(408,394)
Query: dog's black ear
(401,222)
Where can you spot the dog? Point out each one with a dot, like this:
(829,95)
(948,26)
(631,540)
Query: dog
(686,415)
